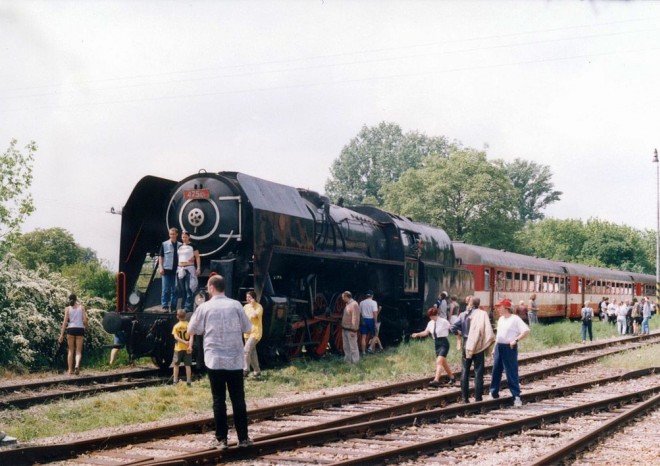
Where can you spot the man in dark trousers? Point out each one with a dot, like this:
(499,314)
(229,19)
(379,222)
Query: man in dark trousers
(222,321)
(477,334)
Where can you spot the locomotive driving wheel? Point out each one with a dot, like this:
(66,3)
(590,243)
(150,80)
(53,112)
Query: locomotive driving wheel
(295,342)
(336,338)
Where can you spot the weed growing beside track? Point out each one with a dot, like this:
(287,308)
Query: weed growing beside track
(410,360)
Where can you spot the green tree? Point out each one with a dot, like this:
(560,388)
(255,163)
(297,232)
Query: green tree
(53,247)
(375,157)
(554,239)
(94,280)
(469,197)
(57,250)
(596,242)
(16,203)
(534,186)
(615,246)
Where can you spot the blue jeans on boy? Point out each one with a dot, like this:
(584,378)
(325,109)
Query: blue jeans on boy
(507,359)
(168,296)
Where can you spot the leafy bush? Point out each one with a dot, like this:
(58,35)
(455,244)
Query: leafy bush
(32,306)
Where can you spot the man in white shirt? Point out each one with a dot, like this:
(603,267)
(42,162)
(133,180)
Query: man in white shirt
(223,322)
(368,312)
(510,330)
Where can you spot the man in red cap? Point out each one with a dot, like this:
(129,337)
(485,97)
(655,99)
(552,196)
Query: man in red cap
(510,330)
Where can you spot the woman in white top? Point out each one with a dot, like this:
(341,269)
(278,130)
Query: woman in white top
(74,325)
(189,268)
(438,328)
(621,314)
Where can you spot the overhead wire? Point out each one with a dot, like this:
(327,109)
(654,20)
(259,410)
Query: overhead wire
(347,54)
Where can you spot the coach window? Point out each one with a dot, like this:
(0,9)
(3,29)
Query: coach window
(516,281)
(509,281)
(499,281)
(523,284)
(536,282)
(486,279)
(562,285)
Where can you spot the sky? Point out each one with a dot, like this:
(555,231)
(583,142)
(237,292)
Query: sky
(113,91)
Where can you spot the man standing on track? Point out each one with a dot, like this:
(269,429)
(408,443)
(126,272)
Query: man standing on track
(477,334)
(222,321)
(510,330)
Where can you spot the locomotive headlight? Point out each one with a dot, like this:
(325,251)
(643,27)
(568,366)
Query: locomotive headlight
(134,298)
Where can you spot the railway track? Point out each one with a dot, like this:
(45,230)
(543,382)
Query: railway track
(432,434)
(24,395)
(347,409)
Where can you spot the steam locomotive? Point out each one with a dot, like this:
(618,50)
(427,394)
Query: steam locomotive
(293,247)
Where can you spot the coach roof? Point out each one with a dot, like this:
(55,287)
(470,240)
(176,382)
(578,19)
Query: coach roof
(479,255)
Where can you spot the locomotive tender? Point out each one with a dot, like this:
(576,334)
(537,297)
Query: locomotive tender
(294,248)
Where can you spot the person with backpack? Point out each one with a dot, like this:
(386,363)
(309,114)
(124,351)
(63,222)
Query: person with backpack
(636,316)
(587,317)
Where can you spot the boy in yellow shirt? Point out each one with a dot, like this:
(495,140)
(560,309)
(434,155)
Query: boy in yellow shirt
(180,333)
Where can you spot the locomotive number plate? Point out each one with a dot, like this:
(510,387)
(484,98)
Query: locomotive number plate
(189,194)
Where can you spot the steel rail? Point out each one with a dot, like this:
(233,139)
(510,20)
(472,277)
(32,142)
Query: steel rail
(79,380)
(31,400)
(380,426)
(573,448)
(491,432)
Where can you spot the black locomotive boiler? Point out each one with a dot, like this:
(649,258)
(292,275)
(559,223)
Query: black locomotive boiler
(294,248)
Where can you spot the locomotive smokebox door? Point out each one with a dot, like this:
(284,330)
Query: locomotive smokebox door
(209,208)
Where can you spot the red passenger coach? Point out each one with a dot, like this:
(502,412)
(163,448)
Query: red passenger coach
(561,288)
(594,283)
(501,274)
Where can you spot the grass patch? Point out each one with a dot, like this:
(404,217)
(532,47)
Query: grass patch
(641,358)
(412,359)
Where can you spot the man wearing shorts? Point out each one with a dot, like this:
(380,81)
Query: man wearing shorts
(368,310)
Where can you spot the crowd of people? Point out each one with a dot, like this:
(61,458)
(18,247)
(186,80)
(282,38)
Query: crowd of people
(477,341)
(631,317)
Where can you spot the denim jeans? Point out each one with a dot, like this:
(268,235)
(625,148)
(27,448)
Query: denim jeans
(188,294)
(645,326)
(479,361)
(168,296)
(505,358)
(586,327)
(222,381)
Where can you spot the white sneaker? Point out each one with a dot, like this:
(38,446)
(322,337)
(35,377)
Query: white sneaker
(517,402)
